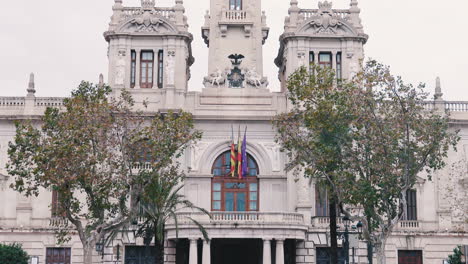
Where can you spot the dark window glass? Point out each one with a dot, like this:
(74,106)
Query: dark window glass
(409,257)
(147,67)
(325,60)
(324,255)
(411,213)
(235,4)
(133,69)
(160,68)
(321,201)
(58,256)
(339,66)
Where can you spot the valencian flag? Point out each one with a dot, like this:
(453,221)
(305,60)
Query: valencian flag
(239,156)
(233,155)
(244,155)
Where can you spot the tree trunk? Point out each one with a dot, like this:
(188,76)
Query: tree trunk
(88,254)
(380,252)
(333,233)
(159,254)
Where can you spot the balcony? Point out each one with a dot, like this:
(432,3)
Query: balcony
(239,225)
(231,18)
(323,222)
(408,225)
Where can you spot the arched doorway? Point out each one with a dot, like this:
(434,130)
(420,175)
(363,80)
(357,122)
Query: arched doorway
(228,192)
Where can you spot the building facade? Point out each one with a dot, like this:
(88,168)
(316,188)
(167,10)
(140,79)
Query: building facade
(270,216)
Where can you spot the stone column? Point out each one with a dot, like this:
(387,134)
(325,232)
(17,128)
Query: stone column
(279,251)
(138,69)
(333,60)
(266,251)
(193,254)
(316,57)
(206,252)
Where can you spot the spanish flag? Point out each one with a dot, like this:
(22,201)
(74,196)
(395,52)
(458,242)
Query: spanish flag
(233,156)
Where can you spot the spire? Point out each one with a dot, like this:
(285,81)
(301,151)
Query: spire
(101,80)
(31,85)
(438,90)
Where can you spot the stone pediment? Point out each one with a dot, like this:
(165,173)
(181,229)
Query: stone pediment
(147,22)
(327,25)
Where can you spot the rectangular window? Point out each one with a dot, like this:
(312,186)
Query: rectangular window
(410,257)
(133,69)
(58,256)
(325,59)
(324,255)
(140,254)
(217,196)
(160,69)
(235,4)
(411,212)
(321,201)
(253,197)
(311,58)
(55,206)
(339,67)
(147,66)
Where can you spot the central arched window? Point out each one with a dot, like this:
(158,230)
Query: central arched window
(235,4)
(231,193)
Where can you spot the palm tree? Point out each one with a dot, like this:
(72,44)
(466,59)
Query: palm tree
(160,203)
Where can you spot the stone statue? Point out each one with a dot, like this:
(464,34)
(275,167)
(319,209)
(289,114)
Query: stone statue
(218,78)
(253,78)
(120,69)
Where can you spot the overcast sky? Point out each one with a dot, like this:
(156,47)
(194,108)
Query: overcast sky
(61,41)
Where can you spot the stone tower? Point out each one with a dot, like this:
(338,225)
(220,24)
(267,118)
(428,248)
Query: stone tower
(148,47)
(235,31)
(324,36)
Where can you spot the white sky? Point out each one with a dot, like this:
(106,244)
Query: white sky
(61,41)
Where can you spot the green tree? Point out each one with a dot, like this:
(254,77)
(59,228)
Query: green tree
(13,254)
(87,154)
(316,129)
(384,138)
(456,257)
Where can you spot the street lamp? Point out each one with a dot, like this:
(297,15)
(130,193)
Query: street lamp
(346,223)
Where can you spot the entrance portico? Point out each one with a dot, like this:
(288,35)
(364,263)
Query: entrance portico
(235,251)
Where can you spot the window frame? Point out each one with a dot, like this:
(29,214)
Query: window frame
(325,64)
(160,69)
(133,61)
(235,5)
(51,258)
(225,178)
(145,74)
(321,211)
(55,205)
(411,205)
(339,66)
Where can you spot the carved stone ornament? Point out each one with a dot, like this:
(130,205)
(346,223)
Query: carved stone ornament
(170,67)
(254,79)
(196,152)
(147,22)
(120,68)
(273,150)
(217,78)
(237,76)
(326,22)
(3,181)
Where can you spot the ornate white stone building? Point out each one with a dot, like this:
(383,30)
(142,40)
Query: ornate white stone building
(270,216)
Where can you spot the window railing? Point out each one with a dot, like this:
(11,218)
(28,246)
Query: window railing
(241,218)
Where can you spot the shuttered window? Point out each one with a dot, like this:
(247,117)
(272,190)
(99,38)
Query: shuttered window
(58,255)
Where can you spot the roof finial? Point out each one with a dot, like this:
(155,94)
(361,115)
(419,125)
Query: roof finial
(31,85)
(438,89)
(101,80)
(148,4)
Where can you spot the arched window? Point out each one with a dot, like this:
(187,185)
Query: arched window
(235,4)
(231,193)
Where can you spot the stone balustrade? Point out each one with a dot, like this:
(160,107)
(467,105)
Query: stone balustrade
(130,12)
(235,15)
(241,218)
(409,225)
(49,101)
(308,13)
(12,102)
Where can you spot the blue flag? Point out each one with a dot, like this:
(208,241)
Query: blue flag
(244,155)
